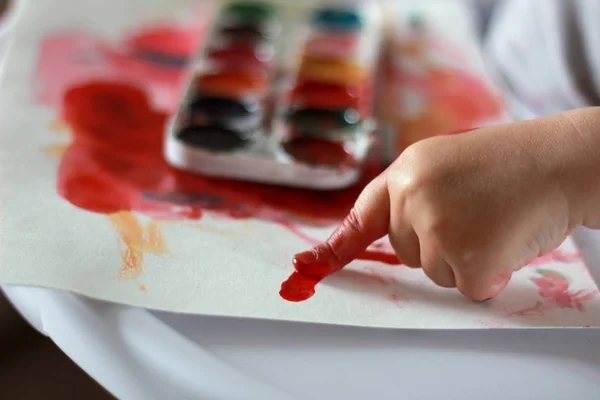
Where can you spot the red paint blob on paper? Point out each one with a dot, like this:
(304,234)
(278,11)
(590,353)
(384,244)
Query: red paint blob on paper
(115,163)
(301,284)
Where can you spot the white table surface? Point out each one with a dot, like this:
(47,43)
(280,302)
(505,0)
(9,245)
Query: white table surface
(138,354)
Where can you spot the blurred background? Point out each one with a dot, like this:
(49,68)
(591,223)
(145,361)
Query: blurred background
(32,367)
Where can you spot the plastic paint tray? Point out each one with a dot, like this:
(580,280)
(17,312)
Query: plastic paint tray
(281,95)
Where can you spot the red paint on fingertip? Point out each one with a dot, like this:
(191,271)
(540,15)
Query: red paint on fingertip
(312,266)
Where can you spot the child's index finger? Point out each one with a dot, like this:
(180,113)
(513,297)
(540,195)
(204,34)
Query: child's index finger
(367,221)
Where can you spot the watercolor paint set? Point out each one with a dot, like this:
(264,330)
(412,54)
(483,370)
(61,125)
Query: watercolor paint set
(281,94)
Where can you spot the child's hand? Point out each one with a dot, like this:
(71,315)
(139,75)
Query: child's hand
(472,208)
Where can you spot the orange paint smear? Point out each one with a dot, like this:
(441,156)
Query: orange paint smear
(55,150)
(59,127)
(138,241)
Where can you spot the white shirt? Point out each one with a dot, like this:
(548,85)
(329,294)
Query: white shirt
(545,52)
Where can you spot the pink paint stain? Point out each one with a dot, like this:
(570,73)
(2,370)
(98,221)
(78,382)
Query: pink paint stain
(557,255)
(66,59)
(153,57)
(554,289)
(399,298)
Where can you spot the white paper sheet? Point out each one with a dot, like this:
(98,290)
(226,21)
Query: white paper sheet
(214,265)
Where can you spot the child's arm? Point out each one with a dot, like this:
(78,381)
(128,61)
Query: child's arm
(472,208)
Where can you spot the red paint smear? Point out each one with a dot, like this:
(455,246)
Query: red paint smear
(298,287)
(301,285)
(555,291)
(115,163)
(386,258)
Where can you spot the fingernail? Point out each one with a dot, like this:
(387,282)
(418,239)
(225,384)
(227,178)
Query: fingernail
(304,258)
(307,264)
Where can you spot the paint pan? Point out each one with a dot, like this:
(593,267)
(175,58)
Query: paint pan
(269,100)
